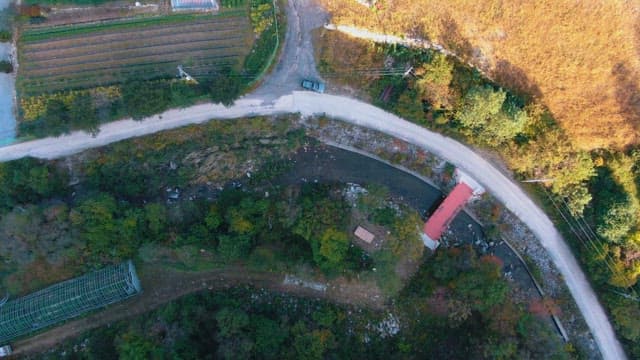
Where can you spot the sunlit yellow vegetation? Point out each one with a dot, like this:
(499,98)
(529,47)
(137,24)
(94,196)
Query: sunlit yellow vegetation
(580,58)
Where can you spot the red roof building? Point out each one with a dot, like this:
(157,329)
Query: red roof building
(441,218)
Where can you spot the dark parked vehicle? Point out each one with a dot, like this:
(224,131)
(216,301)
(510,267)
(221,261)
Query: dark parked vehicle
(313,85)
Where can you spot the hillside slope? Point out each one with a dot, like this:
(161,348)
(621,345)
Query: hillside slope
(580,58)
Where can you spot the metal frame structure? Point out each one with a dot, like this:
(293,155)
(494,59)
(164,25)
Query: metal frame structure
(67,300)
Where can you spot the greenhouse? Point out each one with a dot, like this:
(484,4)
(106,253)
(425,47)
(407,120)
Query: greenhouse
(67,299)
(194,5)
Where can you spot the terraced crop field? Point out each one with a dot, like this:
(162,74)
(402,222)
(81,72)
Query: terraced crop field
(84,56)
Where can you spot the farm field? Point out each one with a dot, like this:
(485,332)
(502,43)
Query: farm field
(78,57)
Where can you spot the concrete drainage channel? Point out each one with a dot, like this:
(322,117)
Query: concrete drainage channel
(555,319)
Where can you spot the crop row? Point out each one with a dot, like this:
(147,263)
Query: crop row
(36,65)
(100,43)
(145,59)
(134,23)
(112,75)
(157,31)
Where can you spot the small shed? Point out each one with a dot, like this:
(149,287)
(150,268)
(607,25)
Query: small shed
(364,235)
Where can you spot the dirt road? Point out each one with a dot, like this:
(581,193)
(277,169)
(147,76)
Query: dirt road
(162,285)
(268,101)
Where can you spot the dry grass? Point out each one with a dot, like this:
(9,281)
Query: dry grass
(581,58)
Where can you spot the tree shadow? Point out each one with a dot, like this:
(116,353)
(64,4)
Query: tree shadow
(516,79)
(627,95)
(453,39)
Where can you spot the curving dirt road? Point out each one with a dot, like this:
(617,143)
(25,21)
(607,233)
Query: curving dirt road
(297,62)
(162,285)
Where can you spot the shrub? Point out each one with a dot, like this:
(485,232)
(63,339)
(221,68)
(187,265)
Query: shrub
(6,66)
(5,35)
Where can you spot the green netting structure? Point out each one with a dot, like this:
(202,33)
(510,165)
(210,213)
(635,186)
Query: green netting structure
(68,299)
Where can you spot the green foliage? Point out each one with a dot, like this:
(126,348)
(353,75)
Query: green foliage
(131,180)
(60,118)
(232,3)
(551,156)
(28,181)
(5,35)
(319,222)
(385,216)
(470,302)
(483,288)
(155,218)
(311,345)
(269,337)
(231,321)
(615,213)
(439,71)
(486,112)
(95,221)
(82,114)
(234,247)
(332,249)
(261,16)
(142,98)
(6,66)
(405,240)
(226,87)
(132,346)
(434,83)
(626,313)
(480,107)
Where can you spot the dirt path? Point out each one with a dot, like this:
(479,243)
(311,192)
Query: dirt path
(162,285)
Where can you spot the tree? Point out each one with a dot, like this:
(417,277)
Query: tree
(491,115)
(213,219)
(617,220)
(269,337)
(132,346)
(480,106)
(155,218)
(233,247)
(29,180)
(333,248)
(261,17)
(231,321)
(56,117)
(311,345)
(552,156)
(6,67)
(82,113)
(226,87)
(434,82)
(626,313)
(130,235)
(233,326)
(94,219)
(482,287)
(145,98)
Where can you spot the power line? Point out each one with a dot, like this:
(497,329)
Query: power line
(591,237)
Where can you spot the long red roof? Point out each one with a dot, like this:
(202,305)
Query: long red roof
(450,207)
